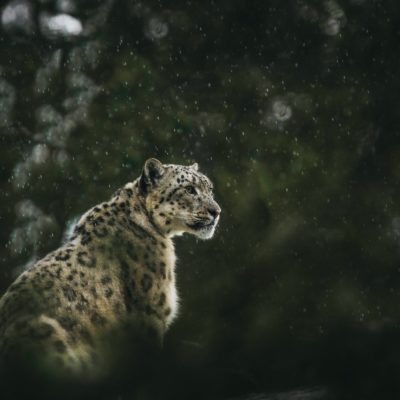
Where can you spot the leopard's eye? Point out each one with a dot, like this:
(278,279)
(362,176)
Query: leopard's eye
(191,190)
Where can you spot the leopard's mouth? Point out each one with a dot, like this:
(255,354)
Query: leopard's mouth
(204,224)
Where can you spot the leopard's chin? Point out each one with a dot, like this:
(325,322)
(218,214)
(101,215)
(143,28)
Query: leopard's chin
(204,229)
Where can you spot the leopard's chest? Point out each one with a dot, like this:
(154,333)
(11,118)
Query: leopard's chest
(171,296)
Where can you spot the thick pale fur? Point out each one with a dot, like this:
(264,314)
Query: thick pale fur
(116,273)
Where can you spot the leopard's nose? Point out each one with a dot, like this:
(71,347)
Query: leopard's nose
(214,211)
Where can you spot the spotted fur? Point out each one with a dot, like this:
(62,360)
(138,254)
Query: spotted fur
(118,267)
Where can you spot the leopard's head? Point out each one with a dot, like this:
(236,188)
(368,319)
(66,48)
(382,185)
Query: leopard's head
(179,199)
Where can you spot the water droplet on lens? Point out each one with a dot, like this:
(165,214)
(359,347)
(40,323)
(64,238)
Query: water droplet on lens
(281,110)
(156,29)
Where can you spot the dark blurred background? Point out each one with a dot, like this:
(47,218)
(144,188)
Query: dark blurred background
(291,107)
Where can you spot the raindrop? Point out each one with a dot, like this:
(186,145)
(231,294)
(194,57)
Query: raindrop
(281,110)
(278,113)
(156,29)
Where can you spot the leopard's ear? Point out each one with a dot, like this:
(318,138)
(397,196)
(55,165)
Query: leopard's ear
(195,166)
(152,172)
